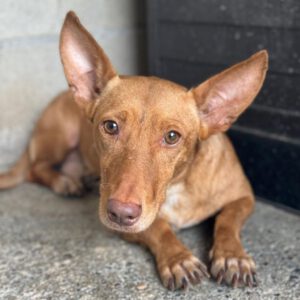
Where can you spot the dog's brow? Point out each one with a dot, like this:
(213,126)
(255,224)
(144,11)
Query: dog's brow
(121,115)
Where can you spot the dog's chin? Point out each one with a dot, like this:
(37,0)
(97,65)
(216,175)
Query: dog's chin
(123,229)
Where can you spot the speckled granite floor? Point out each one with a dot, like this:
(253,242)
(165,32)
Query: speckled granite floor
(55,248)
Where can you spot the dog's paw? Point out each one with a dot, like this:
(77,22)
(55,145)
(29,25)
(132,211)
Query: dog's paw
(181,270)
(67,186)
(237,272)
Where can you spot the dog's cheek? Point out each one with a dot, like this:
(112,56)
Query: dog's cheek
(180,162)
(103,203)
(151,209)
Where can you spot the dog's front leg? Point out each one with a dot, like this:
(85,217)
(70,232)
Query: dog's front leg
(230,262)
(176,264)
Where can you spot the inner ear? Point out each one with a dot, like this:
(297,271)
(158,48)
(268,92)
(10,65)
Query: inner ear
(222,98)
(86,66)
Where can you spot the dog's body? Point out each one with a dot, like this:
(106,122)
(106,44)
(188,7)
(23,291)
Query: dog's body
(159,151)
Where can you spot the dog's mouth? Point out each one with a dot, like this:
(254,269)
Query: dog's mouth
(135,228)
(120,228)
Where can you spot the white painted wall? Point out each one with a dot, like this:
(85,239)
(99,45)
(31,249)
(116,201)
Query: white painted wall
(30,69)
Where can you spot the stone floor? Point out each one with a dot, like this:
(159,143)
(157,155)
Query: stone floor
(55,248)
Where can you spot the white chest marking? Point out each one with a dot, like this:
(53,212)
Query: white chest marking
(173,195)
(176,208)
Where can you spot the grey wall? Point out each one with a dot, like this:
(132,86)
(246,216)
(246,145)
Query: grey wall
(191,40)
(30,69)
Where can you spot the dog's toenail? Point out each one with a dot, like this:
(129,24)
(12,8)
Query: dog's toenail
(235,280)
(184,283)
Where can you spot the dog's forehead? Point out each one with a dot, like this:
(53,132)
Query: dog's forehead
(148,100)
(142,92)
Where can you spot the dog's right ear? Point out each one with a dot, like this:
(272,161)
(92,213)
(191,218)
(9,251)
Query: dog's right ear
(86,66)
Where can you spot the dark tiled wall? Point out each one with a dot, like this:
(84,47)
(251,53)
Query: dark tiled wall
(190,40)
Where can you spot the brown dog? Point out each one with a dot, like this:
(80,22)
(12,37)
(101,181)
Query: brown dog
(159,151)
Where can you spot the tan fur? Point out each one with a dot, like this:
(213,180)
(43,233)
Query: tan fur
(178,185)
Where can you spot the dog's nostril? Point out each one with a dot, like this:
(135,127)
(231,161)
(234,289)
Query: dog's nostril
(122,213)
(113,215)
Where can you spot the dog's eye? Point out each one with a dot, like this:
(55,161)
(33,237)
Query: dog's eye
(172,137)
(111,127)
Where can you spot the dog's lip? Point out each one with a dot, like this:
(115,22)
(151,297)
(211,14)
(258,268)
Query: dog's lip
(120,228)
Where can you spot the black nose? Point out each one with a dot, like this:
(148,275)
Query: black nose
(123,213)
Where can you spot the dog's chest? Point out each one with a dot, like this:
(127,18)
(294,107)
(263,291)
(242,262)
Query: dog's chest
(179,209)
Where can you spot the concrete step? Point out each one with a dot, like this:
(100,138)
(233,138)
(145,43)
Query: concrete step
(55,248)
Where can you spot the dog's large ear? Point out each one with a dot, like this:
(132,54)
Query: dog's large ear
(222,98)
(86,66)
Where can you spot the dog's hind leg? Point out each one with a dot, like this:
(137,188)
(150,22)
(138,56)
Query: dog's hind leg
(49,151)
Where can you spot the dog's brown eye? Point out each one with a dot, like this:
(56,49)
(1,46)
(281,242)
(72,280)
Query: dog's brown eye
(111,127)
(172,137)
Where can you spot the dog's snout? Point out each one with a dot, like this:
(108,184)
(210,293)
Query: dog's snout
(124,214)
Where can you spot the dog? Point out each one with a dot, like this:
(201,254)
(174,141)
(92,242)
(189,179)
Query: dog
(159,150)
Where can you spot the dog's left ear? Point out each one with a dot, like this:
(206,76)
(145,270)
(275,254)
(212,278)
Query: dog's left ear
(222,98)
(86,66)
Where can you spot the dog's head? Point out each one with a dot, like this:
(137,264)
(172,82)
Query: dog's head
(147,130)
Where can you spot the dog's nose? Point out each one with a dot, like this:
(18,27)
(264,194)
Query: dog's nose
(122,213)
